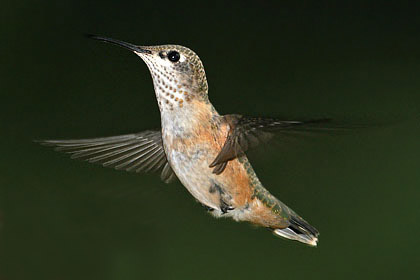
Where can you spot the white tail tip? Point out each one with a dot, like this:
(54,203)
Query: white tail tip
(292,235)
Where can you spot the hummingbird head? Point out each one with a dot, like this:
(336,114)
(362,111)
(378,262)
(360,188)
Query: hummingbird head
(177,72)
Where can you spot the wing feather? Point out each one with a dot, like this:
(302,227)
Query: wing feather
(139,152)
(247,133)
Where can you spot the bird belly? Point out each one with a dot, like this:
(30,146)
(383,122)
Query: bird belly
(192,170)
(191,143)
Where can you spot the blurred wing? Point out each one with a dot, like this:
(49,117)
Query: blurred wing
(246,133)
(139,152)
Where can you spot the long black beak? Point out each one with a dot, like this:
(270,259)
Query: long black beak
(129,46)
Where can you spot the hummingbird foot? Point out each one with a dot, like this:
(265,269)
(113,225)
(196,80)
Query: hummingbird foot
(224,207)
(223,197)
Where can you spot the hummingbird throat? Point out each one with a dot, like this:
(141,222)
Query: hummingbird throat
(172,92)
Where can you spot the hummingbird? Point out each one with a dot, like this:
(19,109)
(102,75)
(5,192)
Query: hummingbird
(204,150)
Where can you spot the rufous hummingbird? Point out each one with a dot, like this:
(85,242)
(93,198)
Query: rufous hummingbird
(204,150)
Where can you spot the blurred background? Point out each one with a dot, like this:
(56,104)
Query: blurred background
(357,63)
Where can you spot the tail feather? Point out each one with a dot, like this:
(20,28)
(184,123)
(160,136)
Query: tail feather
(299,230)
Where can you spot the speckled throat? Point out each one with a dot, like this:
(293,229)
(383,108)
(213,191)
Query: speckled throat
(175,83)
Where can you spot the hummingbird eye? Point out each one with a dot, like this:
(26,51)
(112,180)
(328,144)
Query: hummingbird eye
(173,56)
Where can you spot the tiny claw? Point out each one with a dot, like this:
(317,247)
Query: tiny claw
(225,209)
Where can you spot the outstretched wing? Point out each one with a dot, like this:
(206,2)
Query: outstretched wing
(139,152)
(246,133)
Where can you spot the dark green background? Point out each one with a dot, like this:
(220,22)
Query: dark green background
(356,63)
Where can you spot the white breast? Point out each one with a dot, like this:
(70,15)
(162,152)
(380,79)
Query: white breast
(191,171)
(188,159)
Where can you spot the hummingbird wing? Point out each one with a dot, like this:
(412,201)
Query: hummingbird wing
(139,152)
(247,132)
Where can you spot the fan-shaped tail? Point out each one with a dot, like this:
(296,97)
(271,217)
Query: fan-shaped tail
(299,230)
